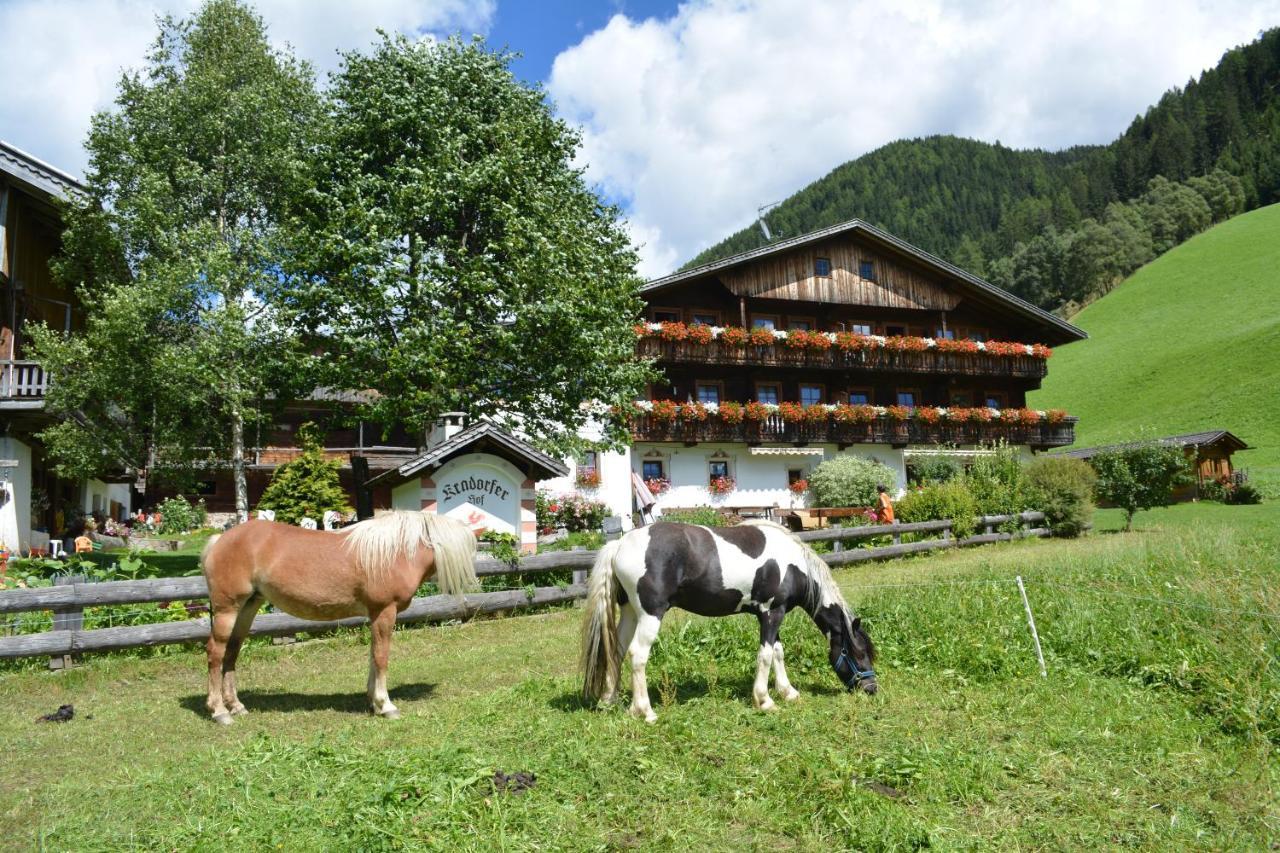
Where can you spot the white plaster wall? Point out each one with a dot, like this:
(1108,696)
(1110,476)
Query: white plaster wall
(615,483)
(407,495)
(105,493)
(761,480)
(15,517)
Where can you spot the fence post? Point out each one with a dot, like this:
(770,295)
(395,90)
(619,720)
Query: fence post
(946,531)
(579,575)
(897,537)
(66,619)
(1031,621)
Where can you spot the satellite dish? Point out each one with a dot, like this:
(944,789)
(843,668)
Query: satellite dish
(764,226)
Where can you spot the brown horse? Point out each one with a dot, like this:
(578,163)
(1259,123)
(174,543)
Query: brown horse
(372,568)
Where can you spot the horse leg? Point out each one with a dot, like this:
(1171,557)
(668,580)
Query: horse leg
(244,621)
(221,622)
(626,631)
(770,621)
(381,625)
(646,632)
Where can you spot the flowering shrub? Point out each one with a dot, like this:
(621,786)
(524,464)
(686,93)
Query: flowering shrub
(700,333)
(588,478)
(791,412)
(572,512)
(799,487)
(734,336)
(731,413)
(755,411)
(693,412)
(664,410)
(721,485)
(761,337)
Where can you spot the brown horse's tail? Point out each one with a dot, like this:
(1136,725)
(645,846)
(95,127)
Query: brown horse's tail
(601,658)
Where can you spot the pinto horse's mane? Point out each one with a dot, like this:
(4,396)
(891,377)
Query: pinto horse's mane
(823,590)
(377,543)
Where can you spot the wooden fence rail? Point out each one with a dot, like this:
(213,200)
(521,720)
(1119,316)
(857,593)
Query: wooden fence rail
(72,597)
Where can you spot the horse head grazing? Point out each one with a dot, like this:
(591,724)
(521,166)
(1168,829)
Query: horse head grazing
(851,652)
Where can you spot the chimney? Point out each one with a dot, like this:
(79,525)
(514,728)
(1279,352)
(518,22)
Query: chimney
(446,427)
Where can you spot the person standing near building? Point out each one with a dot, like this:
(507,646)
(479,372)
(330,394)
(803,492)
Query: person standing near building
(885,505)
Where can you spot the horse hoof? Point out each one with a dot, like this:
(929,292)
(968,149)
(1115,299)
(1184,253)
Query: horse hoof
(238,710)
(223,719)
(393,714)
(767,706)
(791,695)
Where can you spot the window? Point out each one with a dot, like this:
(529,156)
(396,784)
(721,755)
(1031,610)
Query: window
(995,399)
(764,321)
(859,396)
(810,394)
(666,315)
(717,468)
(944,334)
(907,397)
(651,469)
(973,334)
(708,392)
(767,393)
(803,324)
(705,318)
(866,270)
(860,328)
(588,462)
(822,267)
(794,474)
(895,330)
(961,398)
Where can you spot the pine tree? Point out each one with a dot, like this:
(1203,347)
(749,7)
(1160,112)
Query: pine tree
(308,486)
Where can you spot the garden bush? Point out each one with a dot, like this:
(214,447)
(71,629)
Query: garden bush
(1062,488)
(178,515)
(951,500)
(848,481)
(572,512)
(935,469)
(996,481)
(707,516)
(1242,494)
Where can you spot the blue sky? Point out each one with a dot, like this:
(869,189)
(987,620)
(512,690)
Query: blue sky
(694,114)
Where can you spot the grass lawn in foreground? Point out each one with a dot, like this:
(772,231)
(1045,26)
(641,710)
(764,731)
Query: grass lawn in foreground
(1155,729)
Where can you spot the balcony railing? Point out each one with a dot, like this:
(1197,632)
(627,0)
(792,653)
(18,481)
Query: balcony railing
(886,360)
(882,430)
(23,381)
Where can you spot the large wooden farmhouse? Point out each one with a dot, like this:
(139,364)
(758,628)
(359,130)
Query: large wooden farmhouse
(845,340)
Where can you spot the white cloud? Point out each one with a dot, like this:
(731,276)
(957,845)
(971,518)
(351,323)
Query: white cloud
(697,120)
(62,58)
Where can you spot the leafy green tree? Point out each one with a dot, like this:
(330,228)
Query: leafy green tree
(176,250)
(1173,212)
(1141,477)
(308,486)
(458,259)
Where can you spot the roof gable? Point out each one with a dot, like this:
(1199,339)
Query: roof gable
(483,437)
(37,174)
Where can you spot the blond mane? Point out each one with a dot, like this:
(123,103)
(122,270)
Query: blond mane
(378,542)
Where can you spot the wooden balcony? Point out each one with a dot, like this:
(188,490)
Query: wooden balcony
(22,384)
(884,360)
(882,430)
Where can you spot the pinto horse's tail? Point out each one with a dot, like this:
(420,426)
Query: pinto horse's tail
(601,658)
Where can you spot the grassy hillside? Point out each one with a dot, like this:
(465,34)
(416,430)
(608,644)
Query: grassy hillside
(1189,342)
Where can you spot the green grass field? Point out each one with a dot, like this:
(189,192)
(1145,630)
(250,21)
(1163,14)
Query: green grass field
(1190,342)
(1155,729)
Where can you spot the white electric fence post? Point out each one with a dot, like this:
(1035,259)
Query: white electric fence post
(1031,622)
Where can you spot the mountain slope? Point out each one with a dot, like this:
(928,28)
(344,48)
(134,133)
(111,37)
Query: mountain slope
(970,201)
(1190,342)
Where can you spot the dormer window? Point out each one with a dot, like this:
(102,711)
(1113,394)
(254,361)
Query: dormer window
(822,267)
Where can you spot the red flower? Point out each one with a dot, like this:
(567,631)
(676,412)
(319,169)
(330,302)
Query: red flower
(673,331)
(1056,416)
(642,330)
(797,339)
(734,336)
(657,485)
(819,342)
(721,485)
(1030,417)
(1005,348)
(588,478)
(791,412)
(693,412)
(905,343)
(927,414)
(1010,416)
(731,413)
(665,410)
(817,413)
(964,345)
(700,333)
(898,413)
(762,337)
(1040,351)
(800,486)
(755,411)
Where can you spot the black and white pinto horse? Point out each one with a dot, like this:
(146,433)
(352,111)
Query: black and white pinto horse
(757,567)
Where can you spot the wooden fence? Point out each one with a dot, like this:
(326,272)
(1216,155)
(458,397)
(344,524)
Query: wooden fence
(69,598)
